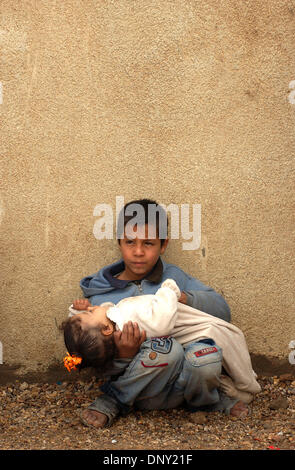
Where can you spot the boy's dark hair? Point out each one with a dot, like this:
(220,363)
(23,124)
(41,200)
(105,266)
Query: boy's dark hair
(153,213)
(95,349)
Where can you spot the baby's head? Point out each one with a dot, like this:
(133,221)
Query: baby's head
(90,341)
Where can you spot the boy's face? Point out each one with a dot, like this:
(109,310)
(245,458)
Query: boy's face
(141,253)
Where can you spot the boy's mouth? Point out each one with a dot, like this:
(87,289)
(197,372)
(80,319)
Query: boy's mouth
(138,264)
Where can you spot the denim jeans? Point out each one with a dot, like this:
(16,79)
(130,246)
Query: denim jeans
(165,375)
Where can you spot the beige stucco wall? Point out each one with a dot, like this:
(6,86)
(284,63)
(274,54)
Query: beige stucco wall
(182,101)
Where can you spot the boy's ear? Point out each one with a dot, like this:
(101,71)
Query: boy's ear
(164,246)
(107,330)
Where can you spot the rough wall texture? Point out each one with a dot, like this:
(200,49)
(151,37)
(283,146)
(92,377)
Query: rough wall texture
(183,101)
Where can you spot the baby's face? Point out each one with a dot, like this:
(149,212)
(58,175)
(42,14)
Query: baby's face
(94,317)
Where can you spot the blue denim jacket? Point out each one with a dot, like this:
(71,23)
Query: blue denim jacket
(103,286)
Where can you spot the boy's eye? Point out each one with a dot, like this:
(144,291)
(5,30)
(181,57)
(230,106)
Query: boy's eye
(147,242)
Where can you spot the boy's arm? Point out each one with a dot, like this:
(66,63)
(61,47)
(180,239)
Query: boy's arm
(128,342)
(205,299)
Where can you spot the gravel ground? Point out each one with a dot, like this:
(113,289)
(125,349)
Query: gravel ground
(46,416)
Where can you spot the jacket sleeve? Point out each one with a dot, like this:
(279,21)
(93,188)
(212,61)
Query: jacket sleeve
(206,299)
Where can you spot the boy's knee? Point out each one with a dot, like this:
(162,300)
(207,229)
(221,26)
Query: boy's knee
(205,359)
(163,351)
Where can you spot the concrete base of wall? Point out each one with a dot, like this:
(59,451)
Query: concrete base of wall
(271,366)
(263,366)
(54,374)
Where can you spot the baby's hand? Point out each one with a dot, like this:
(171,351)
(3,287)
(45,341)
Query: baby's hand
(81,304)
(173,286)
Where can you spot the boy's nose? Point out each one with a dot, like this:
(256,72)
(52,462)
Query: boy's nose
(138,250)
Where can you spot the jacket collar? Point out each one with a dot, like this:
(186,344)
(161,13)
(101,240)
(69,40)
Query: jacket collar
(110,273)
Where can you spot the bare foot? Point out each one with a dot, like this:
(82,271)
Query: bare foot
(240,410)
(94,418)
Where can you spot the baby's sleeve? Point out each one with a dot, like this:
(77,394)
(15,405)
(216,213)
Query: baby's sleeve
(159,315)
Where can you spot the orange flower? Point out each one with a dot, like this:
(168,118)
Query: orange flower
(70,362)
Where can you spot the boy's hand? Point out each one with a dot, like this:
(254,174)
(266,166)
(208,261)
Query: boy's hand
(128,340)
(81,304)
(183,298)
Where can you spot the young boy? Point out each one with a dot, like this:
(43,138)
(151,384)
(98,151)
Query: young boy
(162,374)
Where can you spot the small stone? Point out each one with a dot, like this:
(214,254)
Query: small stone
(286,377)
(23,386)
(279,403)
(198,418)
(275,438)
(268,425)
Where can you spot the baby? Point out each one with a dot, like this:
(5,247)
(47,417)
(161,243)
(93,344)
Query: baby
(88,333)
